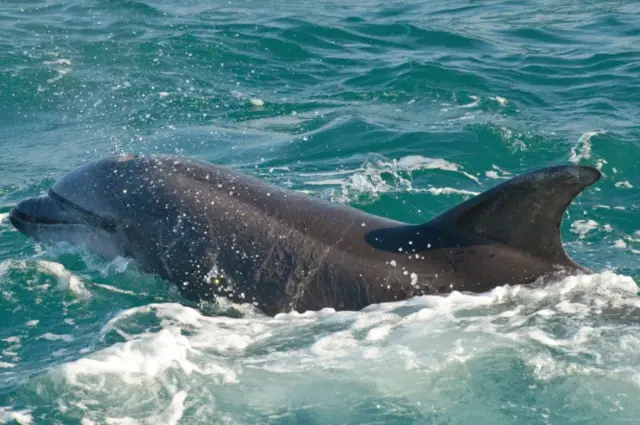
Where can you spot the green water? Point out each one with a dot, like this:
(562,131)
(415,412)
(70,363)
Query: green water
(403,109)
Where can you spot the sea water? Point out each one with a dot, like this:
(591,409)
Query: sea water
(403,109)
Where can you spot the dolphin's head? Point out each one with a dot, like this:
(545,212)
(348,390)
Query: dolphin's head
(86,207)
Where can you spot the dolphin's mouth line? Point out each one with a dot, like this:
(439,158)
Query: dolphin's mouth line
(21,215)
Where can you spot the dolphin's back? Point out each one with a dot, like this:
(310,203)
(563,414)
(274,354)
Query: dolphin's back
(229,192)
(281,248)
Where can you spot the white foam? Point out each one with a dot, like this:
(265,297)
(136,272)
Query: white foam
(620,244)
(22,417)
(501,100)
(272,364)
(60,61)
(378,333)
(114,289)
(261,327)
(67,281)
(5,365)
(582,227)
(624,184)
(3,217)
(418,162)
(54,337)
(337,344)
(450,191)
(513,139)
(606,207)
(582,148)
(332,173)
(380,175)
(497,173)
(170,416)
(327,182)
(634,238)
(61,74)
(283,168)
(145,358)
(239,95)
(5,265)
(473,104)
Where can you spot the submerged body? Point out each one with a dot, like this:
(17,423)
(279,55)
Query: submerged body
(216,232)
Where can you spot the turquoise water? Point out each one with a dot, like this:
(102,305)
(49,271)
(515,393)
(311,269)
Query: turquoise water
(401,108)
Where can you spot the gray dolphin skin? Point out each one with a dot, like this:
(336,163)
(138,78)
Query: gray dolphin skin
(213,232)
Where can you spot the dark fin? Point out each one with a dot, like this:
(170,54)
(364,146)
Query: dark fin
(526,211)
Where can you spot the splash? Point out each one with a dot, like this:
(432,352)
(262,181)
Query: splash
(582,149)
(22,417)
(582,227)
(61,66)
(379,175)
(67,281)
(257,368)
(497,173)
(450,191)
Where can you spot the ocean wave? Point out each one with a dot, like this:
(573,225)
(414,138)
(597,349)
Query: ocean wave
(215,357)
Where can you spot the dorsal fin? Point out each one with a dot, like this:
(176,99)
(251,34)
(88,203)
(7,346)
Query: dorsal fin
(526,211)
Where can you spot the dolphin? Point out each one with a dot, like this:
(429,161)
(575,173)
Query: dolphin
(215,232)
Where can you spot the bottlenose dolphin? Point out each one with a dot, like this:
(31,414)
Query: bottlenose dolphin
(216,232)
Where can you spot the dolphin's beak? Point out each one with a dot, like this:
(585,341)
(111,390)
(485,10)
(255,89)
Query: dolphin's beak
(38,211)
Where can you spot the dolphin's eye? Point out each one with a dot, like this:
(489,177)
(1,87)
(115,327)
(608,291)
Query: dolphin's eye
(108,225)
